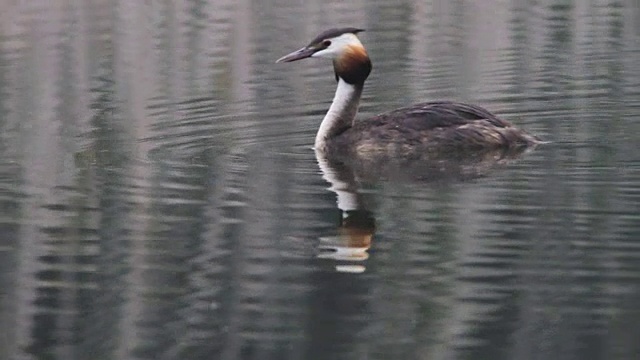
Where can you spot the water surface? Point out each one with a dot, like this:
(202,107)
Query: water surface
(161,200)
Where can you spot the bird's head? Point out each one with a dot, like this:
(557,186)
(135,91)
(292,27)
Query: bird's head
(350,59)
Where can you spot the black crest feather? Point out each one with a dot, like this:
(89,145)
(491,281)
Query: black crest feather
(331,33)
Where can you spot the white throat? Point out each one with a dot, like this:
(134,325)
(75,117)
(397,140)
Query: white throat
(341,114)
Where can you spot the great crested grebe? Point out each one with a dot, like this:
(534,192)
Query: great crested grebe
(424,128)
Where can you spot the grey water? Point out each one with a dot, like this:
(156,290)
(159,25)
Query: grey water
(160,197)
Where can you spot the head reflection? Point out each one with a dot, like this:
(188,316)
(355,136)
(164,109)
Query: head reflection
(349,246)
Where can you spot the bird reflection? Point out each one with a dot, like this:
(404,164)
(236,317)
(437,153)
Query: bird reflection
(349,246)
(357,224)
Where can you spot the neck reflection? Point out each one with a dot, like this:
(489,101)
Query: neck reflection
(348,248)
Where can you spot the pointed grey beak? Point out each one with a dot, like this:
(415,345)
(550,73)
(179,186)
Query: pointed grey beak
(303,53)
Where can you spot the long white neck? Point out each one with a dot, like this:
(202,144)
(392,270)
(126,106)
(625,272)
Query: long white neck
(341,113)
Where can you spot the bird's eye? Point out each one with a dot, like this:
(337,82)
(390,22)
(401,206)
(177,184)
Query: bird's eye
(326,43)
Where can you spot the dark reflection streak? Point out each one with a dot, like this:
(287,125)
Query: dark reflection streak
(392,37)
(516,306)
(71,237)
(603,197)
(609,197)
(622,331)
(20,91)
(460,50)
(165,47)
(265,281)
(415,256)
(607,35)
(105,169)
(553,247)
(56,288)
(10,210)
(174,240)
(161,267)
(234,206)
(195,46)
(438,72)
(520,38)
(201,312)
(336,321)
(210,315)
